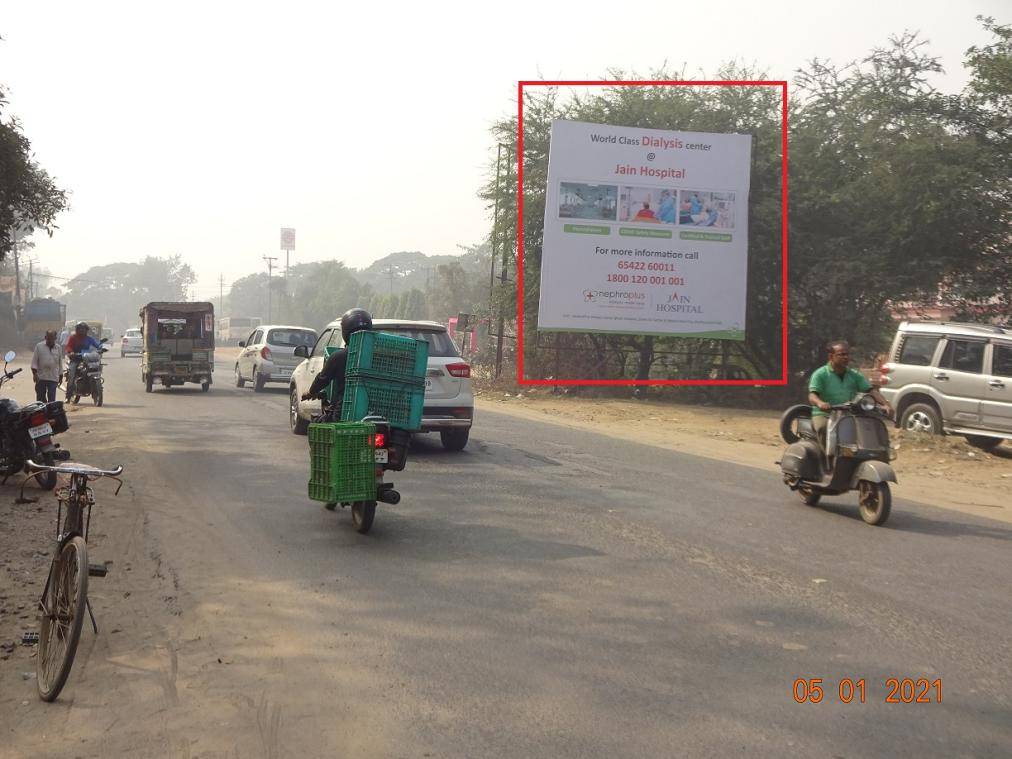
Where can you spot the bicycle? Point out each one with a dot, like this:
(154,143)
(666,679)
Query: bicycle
(65,596)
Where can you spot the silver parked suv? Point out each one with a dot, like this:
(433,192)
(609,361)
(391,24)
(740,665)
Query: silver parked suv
(949,377)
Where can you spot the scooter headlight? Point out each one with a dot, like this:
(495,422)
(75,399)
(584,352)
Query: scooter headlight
(867,403)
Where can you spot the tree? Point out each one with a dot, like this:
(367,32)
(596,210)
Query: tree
(116,292)
(985,118)
(29,198)
(896,192)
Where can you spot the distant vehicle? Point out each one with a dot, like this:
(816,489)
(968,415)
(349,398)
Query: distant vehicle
(449,400)
(232,329)
(133,342)
(268,354)
(41,315)
(950,377)
(178,344)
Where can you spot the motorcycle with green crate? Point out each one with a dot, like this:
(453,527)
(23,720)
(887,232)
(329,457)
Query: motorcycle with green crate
(367,431)
(348,462)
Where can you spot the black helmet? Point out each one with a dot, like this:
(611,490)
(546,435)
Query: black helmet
(82,325)
(355,320)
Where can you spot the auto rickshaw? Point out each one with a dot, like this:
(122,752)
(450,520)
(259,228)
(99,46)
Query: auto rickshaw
(178,344)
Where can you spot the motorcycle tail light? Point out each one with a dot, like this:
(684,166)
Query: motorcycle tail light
(37,419)
(380,440)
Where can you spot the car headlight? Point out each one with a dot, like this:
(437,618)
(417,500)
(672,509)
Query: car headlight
(867,403)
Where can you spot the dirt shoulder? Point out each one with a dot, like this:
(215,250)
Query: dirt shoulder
(26,540)
(943,472)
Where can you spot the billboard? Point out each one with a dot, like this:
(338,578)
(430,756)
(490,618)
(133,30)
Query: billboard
(287,238)
(646,232)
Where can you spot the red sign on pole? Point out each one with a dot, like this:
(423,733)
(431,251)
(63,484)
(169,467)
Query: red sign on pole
(287,238)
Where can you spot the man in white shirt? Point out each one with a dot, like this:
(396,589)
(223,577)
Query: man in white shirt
(47,366)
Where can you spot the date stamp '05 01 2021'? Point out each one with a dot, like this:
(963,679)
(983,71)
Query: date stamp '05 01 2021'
(898,690)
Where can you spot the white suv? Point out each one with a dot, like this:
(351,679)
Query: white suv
(449,400)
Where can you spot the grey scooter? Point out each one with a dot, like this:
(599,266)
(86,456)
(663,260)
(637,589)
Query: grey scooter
(856,456)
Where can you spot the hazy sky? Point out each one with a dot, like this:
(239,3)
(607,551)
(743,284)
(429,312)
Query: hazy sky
(200,128)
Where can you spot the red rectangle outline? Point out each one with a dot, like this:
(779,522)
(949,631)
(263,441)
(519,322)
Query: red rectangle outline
(520,229)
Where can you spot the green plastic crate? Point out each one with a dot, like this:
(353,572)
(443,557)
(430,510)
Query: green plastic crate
(342,462)
(400,403)
(394,357)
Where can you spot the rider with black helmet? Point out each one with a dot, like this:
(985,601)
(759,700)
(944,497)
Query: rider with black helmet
(355,320)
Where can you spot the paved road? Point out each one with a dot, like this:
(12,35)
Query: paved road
(543,594)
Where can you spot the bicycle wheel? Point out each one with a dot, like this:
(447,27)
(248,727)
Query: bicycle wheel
(62,617)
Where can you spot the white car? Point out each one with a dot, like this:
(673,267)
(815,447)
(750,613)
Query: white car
(449,400)
(268,354)
(132,342)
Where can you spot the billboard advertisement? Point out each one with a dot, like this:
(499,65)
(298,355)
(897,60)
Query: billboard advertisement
(646,232)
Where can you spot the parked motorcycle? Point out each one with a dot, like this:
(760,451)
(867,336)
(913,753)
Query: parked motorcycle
(856,456)
(87,376)
(26,433)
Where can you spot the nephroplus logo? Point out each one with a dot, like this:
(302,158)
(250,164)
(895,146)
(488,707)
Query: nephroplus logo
(591,296)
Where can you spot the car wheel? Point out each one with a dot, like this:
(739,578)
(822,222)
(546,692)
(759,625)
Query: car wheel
(239,381)
(921,417)
(299,425)
(983,442)
(454,440)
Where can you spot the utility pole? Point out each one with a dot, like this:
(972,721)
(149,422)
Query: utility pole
(221,296)
(17,287)
(270,267)
(390,271)
(503,276)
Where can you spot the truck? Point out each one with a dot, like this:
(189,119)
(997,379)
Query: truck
(41,315)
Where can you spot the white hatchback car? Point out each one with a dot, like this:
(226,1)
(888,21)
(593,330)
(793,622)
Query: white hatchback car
(133,342)
(268,354)
(449,400)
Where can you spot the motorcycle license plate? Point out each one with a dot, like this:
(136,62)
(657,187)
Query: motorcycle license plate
(46,429)
(381,455)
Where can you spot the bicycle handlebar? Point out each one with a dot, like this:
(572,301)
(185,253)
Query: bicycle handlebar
(75,469)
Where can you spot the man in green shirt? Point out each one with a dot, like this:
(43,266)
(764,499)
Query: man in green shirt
(836,383)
